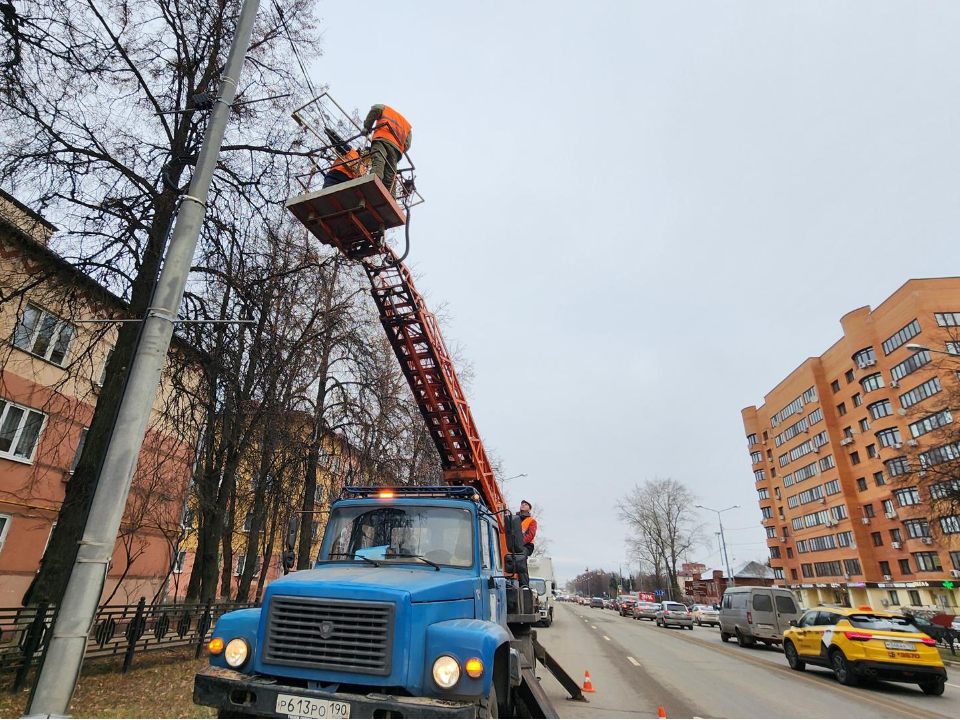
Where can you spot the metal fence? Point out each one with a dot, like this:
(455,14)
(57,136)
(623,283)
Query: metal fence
(118,630)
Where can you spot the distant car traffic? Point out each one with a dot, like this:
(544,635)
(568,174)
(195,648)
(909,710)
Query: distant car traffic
(596,602)
(862,643)
(756,613)
(646,610)
(674,613)
(705,615)
(626,606)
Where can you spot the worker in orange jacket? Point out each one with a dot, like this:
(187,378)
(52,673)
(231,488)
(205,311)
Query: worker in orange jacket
(529,526)
(392,136)
(350,166)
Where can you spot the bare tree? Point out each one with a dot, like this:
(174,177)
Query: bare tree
(660,513)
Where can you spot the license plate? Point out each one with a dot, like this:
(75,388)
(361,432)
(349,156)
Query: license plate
(295,706)
(899,645)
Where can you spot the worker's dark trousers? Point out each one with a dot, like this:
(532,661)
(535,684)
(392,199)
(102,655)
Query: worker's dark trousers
(384,157)
(334,177)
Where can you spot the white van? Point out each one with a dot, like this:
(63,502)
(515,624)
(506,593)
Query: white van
(757,613)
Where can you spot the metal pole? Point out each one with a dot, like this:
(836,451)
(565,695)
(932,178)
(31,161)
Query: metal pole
(723,542)
(61,667)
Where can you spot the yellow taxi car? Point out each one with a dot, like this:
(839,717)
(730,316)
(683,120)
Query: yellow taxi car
(861,643)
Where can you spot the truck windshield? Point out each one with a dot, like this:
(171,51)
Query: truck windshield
(539,585)
(400,534)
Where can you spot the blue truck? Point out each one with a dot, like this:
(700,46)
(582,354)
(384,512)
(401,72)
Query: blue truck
(418,604)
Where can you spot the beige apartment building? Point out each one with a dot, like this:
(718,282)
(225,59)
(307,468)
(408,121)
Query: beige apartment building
(834,452)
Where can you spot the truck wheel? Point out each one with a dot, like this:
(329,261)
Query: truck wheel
(549,621)
(489,707)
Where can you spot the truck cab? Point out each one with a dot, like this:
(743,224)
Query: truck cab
(405,611)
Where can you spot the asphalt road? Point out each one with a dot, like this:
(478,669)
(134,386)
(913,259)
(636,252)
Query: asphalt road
(637,667)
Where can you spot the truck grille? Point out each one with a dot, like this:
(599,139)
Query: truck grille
(328,634)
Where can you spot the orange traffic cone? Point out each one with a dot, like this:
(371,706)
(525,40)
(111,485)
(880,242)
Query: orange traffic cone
(661,713)
(587,685)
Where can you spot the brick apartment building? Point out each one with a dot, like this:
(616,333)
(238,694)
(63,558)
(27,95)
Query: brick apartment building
(828,450)
(51,368)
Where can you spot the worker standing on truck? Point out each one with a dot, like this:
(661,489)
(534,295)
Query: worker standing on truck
(529,526)
(392,136)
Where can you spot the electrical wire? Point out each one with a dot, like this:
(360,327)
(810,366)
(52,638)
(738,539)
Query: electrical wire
(296,51)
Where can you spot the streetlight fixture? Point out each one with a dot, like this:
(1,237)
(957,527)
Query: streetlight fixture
(514,477)
(915,347)
(723,541)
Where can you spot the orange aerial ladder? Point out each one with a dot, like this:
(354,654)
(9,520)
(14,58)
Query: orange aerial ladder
(353,217)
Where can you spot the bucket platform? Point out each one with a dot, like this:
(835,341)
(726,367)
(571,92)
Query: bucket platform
(352,216)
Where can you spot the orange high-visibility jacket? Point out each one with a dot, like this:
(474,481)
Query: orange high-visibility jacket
(529,526)
(350,165)
(392,127)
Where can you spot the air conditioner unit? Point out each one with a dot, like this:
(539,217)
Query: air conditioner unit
(888,578)
(823,501)
(894,383)
(897,446)
(955,573)
(895,545)
(783,539)
(846,441)
(927,540)
(922,473)
(912,443)
(884,602)
(865,521)
(846,576)
(869,363)
(816,448)
(892,514)
(830,523)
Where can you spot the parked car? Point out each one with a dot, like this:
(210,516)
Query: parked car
(626,606)
(757,613)
(596,602)
(645,610)
(864,643)
(674,613)
(705,615)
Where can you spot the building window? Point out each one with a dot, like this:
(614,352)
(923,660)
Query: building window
(835,386)
(927,561)
(950,525)
(894,597)
(950,319)
(845,539)
(921,392)
(857,400)
(878,478)
(884,567)
(759,475)
(944,489)
(852,567)
(917,528)
(778,573)
(914,597)
(861,484)
(955,559)
(889,437)
(864,424)
(828,569)
(877,538)
(187,519)
(865,358)
(43,334)
(791,409)
(810,395)
(888,506)
(940,454)
(178,562)
(752,439)
(248,522)
(783,459)
(872,451)
(767,512)
(904,566)
(895,535)
(910,365)
(855,458)
(5,521)
(868,510)
(839,512)
(897,466)
(771,532)
(907,496)
(776,492)
(807,570)
(800,450)
(880,409)
(770,456)
(20,429)
(871,383)
(793,571)
(241,561)
(765,436)
(756,457)
(763,493)
(807,471)
(850,377)
(103,371)
(832,487)
(848,433)
(797,523)
(775,552)
(911,330)
(315,530)
(815,417)
(930,423)
(820,439)
(76,455)
(842,409)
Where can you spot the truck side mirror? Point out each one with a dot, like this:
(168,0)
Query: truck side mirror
(553,586)
(289,557)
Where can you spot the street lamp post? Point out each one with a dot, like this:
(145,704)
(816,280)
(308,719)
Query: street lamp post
(723,540)
(915,347)
(514,477)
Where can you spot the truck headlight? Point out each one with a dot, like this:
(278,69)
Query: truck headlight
(446,672)
(236,652)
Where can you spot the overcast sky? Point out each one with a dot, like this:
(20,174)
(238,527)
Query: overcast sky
(642,216)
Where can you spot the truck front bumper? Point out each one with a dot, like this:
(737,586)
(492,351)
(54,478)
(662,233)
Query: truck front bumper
(235,692)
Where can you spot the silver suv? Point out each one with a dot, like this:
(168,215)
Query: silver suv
(674,613)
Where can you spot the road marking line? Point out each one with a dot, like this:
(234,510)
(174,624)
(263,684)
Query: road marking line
(594,627)
(952,685)
(606,638)
(633,661)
